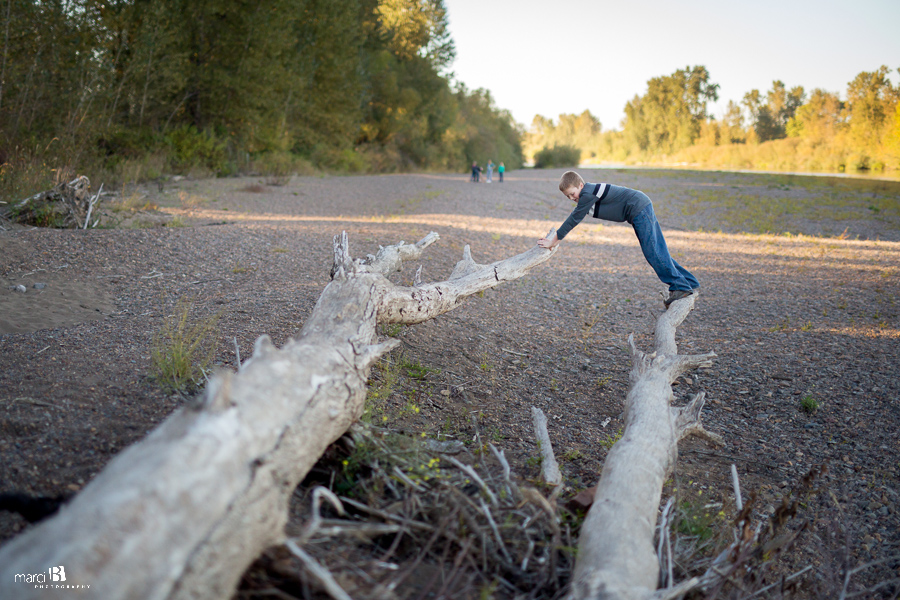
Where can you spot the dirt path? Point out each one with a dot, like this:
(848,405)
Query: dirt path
(794,319)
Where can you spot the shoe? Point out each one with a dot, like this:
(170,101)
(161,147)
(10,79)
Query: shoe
(677,295)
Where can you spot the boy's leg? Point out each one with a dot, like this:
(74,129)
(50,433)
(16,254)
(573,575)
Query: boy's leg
(655,250)
(687,275)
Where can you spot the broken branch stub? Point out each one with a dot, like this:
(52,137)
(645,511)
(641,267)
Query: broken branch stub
(616,558)
(183,512)
(549,466)
(416,304)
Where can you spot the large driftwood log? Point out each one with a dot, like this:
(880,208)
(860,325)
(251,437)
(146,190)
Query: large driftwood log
(72,200)
(182,513)
(616,558)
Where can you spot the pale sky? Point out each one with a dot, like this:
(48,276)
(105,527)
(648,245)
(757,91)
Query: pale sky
(565,56)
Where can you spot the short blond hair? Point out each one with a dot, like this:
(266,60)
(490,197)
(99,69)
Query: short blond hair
(570,179)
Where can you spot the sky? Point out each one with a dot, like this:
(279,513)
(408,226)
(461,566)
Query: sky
(566,56)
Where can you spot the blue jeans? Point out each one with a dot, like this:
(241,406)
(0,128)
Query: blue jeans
(653,245)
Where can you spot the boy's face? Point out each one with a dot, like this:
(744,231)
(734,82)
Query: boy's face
(573,192)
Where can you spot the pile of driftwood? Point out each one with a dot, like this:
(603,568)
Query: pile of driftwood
(66,205)
(408,519)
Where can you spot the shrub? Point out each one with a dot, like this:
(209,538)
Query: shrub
(557,156)
(183,348)
(191,148)
(809,404)
(278,167)
(23,175)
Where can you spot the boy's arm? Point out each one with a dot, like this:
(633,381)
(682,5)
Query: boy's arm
(585,201)
(549,242)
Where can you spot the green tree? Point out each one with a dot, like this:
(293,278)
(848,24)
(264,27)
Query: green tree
(732,127)
(870,100)
(769,119)
(668,116)
(819,119)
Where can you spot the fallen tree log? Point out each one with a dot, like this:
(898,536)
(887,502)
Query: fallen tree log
(616,557)
(182,513)
(67,204)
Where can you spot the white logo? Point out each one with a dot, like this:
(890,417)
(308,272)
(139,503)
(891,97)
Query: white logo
(54,578)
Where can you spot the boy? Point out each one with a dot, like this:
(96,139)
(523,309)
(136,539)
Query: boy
(616,203)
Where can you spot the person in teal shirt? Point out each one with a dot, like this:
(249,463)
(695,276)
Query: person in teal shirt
(500,170)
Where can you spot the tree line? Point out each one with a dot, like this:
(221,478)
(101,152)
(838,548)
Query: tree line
(143,86)
(784,128)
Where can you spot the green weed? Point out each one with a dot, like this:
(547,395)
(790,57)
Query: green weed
(610,440)
(573,454)
(809,404)
(190,201)
(698,519)
(781,326)
(383,379)
(184,348)
(415,370)
(391,329)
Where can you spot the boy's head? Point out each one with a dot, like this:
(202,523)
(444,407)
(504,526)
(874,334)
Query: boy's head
(570,185)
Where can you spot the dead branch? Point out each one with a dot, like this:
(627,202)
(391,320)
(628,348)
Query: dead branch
(72,201)
(187,509)
(616,558)
(549,466)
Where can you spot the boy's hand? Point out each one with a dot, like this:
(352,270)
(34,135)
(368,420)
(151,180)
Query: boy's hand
(548,242)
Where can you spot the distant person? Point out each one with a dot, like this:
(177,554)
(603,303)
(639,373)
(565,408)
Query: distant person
(500,170)
(616,203)
(490,170)
(476,171)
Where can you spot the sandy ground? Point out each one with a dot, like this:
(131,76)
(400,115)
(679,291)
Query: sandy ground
(790,317)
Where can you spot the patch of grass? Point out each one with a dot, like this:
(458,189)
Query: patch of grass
(132,201)
(496,435)
(24,175)
(279,250)
(254,188)
(189,201)
(383,379)
(184,348)
(141,224)
(237,268)
(611,440)
(391,329)
(415,370)
(604,381)
(176,221)
(698,519)
(780,327)
(573,454)
(809,404)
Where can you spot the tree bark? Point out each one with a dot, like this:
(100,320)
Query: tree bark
(616,558)
(182,513)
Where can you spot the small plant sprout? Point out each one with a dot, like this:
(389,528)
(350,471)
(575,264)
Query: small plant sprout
(184,348)
(611,440)
(809,404)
